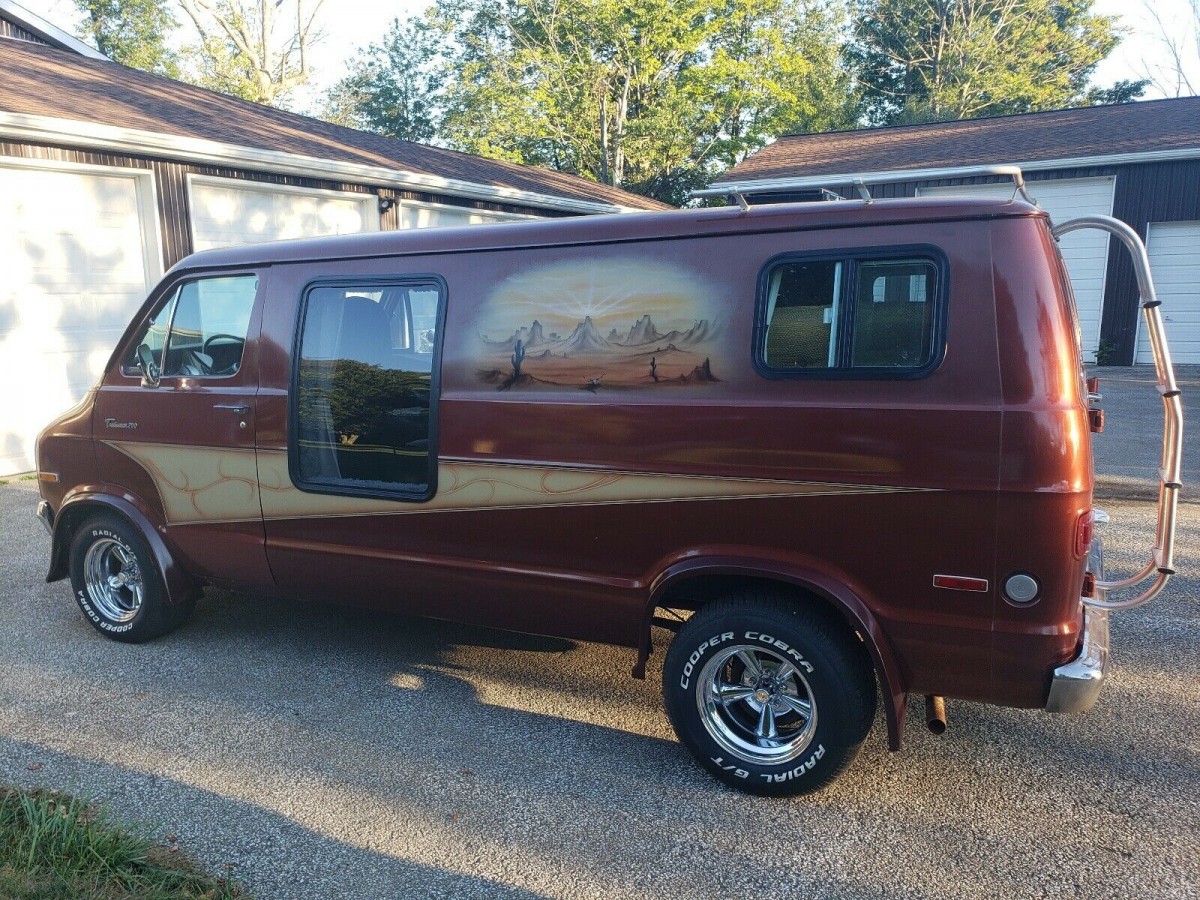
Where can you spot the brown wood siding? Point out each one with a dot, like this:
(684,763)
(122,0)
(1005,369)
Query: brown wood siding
(16,32)
(171,184)
(1151,192)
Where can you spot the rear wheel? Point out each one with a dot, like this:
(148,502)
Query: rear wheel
(117,582)
(769,696)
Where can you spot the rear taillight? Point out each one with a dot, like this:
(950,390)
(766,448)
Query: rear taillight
(1083,534)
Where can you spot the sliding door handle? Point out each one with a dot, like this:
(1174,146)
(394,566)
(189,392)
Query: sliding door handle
(240,408)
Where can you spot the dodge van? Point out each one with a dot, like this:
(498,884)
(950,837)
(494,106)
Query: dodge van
(841,450)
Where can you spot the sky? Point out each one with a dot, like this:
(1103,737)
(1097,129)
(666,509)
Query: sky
(350,25)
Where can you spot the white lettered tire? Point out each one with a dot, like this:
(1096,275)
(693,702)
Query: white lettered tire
(117,583)
(770,695)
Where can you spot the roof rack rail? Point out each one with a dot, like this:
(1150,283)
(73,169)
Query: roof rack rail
(826,183)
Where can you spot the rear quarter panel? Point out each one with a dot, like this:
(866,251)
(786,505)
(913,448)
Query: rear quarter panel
(1046,476)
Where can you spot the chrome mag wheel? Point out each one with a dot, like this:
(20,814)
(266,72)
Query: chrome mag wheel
(113,579)
(756,704)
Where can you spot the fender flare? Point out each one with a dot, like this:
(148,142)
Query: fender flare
(179,586)
(834,592)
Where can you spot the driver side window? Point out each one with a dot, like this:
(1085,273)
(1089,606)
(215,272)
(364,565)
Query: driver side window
(200,330)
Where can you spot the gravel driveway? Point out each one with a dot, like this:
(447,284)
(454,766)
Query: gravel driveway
(320,752)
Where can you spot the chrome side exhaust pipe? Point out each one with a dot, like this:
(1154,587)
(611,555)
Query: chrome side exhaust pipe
(935,713)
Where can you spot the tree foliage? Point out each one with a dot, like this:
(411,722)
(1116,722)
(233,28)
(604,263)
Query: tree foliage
(254,49)
(647,94)
(396,88)
(131,32)
(654,95)
(923,60)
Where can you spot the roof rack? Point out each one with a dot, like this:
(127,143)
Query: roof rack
(825,183)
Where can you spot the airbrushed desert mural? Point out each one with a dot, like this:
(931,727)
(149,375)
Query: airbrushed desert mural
(599,325)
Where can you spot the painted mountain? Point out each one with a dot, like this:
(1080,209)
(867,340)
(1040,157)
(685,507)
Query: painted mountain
(585,339)
(612,320)
(643,332)
(531,336)
(587,360)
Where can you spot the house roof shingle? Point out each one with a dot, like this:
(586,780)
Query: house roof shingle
(1093,131)
(43,81)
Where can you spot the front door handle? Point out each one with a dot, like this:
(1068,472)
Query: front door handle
(240,408)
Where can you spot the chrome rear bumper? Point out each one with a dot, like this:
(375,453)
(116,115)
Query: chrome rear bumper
(1077,684)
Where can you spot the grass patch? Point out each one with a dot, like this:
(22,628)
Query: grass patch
(29,478)
(56,847)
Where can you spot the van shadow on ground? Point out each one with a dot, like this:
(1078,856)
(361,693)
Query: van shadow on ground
(253,831)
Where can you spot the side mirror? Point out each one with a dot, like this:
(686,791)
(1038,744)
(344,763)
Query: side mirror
(150,373)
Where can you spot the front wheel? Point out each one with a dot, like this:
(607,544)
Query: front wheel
(117,582)
(769,696)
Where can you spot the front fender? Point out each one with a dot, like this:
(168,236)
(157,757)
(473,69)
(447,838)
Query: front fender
(831,590)
(83,503)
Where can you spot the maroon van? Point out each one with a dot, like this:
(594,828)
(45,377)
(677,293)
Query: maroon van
(831,446)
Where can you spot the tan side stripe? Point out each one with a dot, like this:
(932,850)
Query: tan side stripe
(211,485)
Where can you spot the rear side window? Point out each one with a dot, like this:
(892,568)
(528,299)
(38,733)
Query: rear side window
(853,315)
(363,417)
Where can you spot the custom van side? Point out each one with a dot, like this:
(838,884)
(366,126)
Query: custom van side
(831,446)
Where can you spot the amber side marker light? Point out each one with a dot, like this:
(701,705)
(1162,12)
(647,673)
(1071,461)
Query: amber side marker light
(51,477)
(960,583)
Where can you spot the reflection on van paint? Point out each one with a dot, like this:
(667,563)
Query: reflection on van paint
(211,485)
(593,325)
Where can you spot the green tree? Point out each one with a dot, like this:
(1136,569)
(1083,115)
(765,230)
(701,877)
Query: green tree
(254,49)
(131,32)
(654,95)
(397,89)
(929,60)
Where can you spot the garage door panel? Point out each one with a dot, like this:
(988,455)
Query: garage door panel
(1174,252)
(225,214)
(75,256)
(1085,252)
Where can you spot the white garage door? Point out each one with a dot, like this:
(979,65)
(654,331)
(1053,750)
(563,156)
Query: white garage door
(1086,252)
(226,212)
(1174,251)
(76,264)
(413,214)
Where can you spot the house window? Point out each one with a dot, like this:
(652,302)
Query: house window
(363,417)
(849,314)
